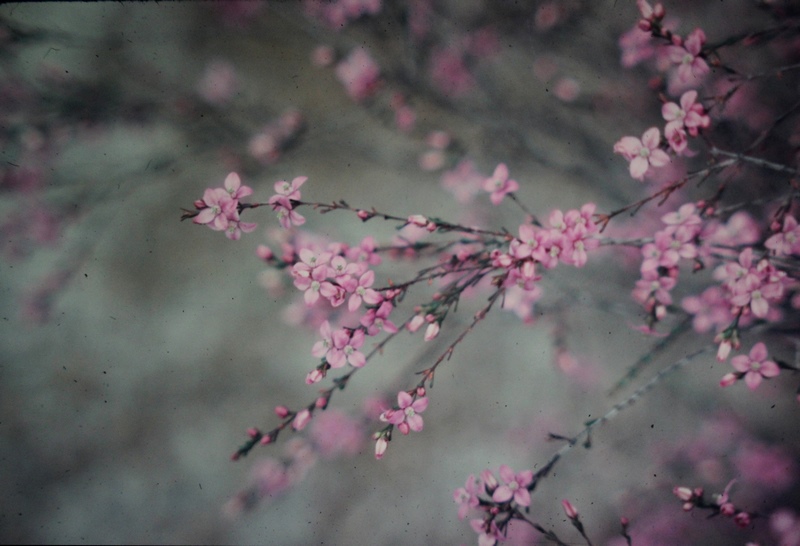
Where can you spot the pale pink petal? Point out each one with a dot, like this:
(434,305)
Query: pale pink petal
(759,352)
(769,369)
(638,167)
(651,138)
(752,380)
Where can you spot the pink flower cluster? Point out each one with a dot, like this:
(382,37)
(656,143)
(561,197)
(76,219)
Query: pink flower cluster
(786,239)
(283,202)
(336,275)
(751,285)
(660,260)
(498,499)
(688,117)
(219,208)
(693,498)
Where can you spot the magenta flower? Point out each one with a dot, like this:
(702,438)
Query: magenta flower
(361,290)
(234,187)
(467,497)
(499,184)
(514,486)
(755,366)
(642,153)
(488,532)
(786,241)
(290,190)
(406,418)
(690,114)
(218,207)
(236,227)
(375,320)
(687,57)
(283,202)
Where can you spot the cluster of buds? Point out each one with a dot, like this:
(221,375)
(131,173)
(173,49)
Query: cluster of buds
(651,16)
(693,498)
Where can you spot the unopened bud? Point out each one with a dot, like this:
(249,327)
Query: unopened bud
(418,220)
(569,509)
(380,447)
(432,331)
(683,493)
(282,411)
(415,323)
(301,420)
(728,379)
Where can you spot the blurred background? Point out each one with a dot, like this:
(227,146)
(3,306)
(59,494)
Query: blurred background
(137,350)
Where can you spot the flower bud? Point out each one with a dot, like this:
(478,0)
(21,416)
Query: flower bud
(301,420)
(415,323)
(728,379)
(683,493)
(432,331)
(264,252)
(380,447)
(723,351)
(314,376)
(742,519)
(569,509)
(418,220)
(281,411)
(727,509)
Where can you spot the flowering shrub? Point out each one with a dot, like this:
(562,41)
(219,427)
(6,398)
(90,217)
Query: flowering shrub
(747,242)
(696,218)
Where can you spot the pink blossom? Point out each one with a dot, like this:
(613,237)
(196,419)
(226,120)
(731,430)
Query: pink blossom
(569,509)
(290,190)
(499,184)
(711,310)
(345,349)
(642,153)
(376,320)
(365,252)
(787,240)
(690,114)
(690,64)
(361,291)
(755,366)
(513,486)
(218,207)
(488,532)
(406,418)
(467,497)
(449,73)
(637,46)
(359,74)
(235,228)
